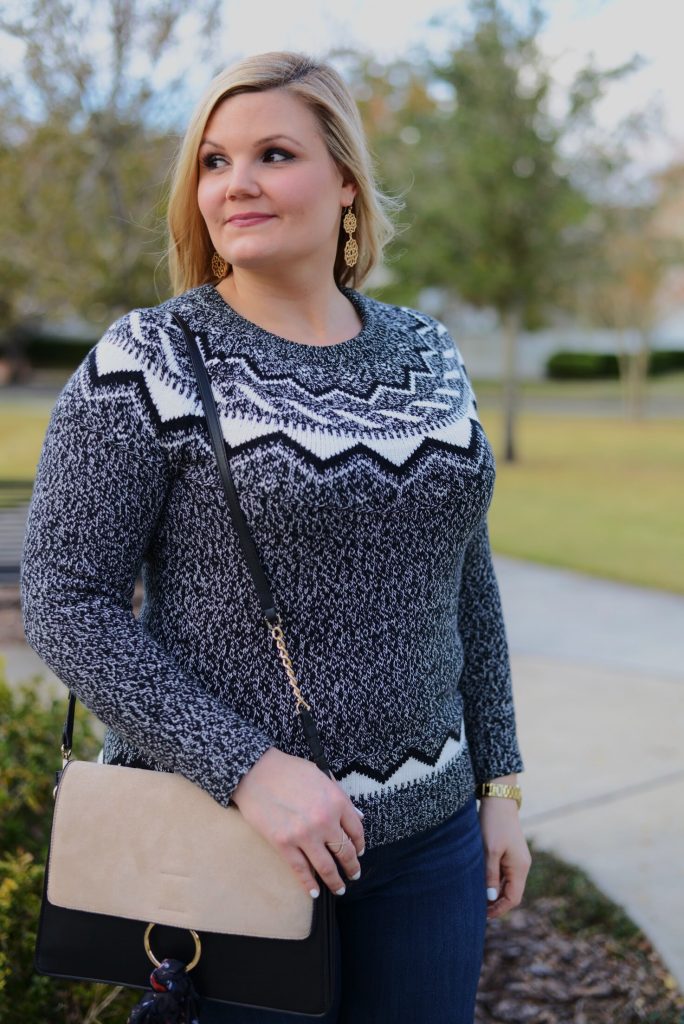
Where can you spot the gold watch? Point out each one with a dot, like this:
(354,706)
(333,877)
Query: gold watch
(500,789)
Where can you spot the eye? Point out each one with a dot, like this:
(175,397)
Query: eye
(279,152)
(213,160)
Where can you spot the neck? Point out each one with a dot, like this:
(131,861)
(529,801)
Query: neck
(297,308)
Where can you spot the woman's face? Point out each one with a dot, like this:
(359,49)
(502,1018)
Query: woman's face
(247,165)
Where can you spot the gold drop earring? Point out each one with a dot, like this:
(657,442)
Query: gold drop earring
(351,248)
(219,266)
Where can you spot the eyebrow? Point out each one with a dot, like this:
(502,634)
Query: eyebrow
(261,142)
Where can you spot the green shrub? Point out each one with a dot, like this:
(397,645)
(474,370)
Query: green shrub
(30,737)
(48,352)
(566,365)
(582,366)
(666,361)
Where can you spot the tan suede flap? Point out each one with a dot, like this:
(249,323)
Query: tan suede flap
(153,846)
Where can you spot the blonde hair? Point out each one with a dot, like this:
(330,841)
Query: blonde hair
(323,90)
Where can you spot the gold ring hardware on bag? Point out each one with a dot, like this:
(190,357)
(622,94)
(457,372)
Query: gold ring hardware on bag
(157,963)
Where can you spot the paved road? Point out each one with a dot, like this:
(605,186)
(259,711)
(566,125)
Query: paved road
(598,672)
(598,675)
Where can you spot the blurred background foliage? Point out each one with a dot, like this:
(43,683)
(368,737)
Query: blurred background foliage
(30,731)
(510,204)
(518,202)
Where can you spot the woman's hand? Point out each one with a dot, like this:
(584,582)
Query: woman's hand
(507,855)
(298,809)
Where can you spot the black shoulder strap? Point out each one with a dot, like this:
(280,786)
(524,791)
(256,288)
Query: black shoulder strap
(216,434)
(261,583)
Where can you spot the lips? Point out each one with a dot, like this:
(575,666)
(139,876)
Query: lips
(249,218)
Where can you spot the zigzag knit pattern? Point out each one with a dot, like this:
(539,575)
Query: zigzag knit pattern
(365,477)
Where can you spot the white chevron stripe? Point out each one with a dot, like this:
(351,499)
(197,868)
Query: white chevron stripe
(357,419)
(400,415)
(172,404)
(260,402)
(432,405)
(356,784)
(168,352)
(309,413)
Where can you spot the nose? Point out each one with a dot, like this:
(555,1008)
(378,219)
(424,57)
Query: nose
(242,181)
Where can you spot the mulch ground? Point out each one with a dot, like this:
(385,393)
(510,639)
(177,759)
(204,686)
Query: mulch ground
(535,974)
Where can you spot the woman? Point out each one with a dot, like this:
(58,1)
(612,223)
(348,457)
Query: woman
(365,477)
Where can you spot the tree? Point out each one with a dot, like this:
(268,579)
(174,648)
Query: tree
(399,115)
(86,138)
(637,257)
(494,193)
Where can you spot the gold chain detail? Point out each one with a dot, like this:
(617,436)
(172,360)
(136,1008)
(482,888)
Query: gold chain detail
(277,634)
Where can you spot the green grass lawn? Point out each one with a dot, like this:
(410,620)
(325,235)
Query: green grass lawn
(22,428)
(601,495)
(598,494)
(666,385)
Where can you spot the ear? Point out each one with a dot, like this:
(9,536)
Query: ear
(349,191)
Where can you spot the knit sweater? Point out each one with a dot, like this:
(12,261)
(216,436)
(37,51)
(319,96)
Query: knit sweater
(365,477)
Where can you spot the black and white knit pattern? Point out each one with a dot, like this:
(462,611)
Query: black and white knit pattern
(365,477)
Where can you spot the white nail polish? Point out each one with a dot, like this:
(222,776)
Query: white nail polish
(315,893)
(356,877)
(361,852)
(341,892)
(492,893)
(360,813)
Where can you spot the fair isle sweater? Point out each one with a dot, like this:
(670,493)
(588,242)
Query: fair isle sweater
(365,478)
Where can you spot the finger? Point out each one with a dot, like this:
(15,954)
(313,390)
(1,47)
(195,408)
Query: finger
(348,862)
(351,823)
(324,864)
(493,875)
(515,886)
(510,897)
(302,869)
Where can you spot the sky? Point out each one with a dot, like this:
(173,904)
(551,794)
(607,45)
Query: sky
(611,30)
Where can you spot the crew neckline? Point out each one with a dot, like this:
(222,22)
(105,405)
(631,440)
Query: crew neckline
(286,344)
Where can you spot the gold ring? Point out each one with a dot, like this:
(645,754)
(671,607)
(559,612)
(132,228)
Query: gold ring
(157,963)
(339,845)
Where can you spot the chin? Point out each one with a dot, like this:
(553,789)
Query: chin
(260,261)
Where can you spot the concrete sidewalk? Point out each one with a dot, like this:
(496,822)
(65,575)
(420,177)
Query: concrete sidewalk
(598,676)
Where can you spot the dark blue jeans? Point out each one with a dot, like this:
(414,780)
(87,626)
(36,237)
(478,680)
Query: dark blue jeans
(410,934)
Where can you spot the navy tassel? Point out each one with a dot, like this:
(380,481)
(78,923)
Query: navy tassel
(173,999)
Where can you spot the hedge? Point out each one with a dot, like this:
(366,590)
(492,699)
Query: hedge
(567,365)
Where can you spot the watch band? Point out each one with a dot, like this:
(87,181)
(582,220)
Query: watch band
(500,789)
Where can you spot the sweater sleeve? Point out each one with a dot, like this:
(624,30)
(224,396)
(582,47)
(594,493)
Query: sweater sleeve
(486,684)
(100,486)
